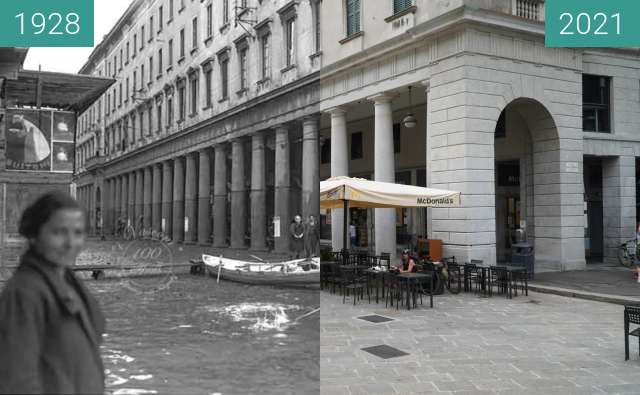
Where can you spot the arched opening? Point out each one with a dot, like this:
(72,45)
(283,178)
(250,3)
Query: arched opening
(527,181)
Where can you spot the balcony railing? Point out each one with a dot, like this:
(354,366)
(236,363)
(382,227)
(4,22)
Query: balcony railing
(529,9)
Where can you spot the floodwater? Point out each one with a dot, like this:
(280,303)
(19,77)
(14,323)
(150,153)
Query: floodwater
(191,335)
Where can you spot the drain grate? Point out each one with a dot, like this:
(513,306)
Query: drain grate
(376,319)
(385,352)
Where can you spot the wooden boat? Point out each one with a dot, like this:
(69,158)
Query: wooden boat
(296,273)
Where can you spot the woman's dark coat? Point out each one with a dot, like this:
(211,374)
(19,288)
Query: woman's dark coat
(49,342)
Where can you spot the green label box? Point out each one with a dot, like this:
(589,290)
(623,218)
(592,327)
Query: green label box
(592,23)
(46,23)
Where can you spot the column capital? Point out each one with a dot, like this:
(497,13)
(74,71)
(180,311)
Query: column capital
(191,154)
(311,119)
(426,84)
(203,151)
(380,98)
(336,111)
(282,127)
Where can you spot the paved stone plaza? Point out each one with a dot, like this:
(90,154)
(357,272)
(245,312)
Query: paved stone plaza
(540,344)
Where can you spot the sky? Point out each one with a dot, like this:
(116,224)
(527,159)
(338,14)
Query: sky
(70,60)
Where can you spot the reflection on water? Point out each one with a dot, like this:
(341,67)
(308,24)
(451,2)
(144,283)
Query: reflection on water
(207,338)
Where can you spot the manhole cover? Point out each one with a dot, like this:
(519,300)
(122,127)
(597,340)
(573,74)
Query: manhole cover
(376,319)
(385,352)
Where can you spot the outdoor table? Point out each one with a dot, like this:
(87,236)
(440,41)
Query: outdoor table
(411,279)
(371,273)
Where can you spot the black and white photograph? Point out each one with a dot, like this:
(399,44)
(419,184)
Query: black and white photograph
(323,197)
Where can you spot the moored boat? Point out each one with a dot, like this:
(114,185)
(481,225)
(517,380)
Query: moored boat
(296,273)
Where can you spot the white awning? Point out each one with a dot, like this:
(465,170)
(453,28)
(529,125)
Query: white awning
(373,194)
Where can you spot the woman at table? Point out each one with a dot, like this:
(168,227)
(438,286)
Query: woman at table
(408,263)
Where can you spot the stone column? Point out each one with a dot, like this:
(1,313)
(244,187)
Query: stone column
(619,203)
(156,198)
(310,168)
(385,171)
(339,167)
(238,192)
(147,207)
(258,194)
(204,192)
(427,91)
(220,197)
(190,200)
(178,199)
(117,202)
(124,199)
(166,222)
(131,212)
(139,210)
(282,188)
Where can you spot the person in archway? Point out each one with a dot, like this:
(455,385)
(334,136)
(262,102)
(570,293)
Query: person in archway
(50,325)
(297,235)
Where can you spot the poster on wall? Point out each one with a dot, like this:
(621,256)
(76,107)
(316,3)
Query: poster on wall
(28,137)
(40,140)
(63,154)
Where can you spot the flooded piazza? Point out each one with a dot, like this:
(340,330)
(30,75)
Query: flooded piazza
(199,336)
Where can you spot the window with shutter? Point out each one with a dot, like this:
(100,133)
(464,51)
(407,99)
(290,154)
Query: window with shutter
(353,16)
(401,5)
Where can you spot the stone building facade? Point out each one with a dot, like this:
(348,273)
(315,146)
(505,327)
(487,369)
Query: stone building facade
(211,130)
(534,137)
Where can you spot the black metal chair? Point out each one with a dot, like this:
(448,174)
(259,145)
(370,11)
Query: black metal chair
(499,277)
(351,280)
(392,289)
(631,316)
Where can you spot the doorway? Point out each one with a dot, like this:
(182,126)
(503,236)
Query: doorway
(594,224)
(508,208)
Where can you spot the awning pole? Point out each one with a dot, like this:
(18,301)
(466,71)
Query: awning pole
(344,234)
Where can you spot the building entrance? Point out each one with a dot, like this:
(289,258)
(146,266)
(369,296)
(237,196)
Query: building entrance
(508,208)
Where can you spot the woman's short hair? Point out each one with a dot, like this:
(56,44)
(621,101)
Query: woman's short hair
(40,211)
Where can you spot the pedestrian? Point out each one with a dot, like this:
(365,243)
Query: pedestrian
(312,239)
(353,235)
(297,235)
(50,325)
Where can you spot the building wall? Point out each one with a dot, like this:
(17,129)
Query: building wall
(474,71)
(283,101)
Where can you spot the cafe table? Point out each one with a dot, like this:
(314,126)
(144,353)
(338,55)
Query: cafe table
(411,280)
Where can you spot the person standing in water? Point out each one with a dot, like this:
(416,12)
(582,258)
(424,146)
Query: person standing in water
(312,240)
(50,325)
(297,235)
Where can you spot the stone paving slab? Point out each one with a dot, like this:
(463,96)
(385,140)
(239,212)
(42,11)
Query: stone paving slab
(603,280)
(540,344)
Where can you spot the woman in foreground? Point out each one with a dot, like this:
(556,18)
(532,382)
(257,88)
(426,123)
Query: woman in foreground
(50,326)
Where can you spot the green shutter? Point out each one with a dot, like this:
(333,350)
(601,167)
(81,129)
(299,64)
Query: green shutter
(353,17)
(401,5)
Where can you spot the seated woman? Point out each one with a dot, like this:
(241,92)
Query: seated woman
(408,263)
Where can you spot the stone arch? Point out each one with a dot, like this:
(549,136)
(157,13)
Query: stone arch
(550,179)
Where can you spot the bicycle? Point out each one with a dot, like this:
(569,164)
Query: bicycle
(628,253)
(447,274)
